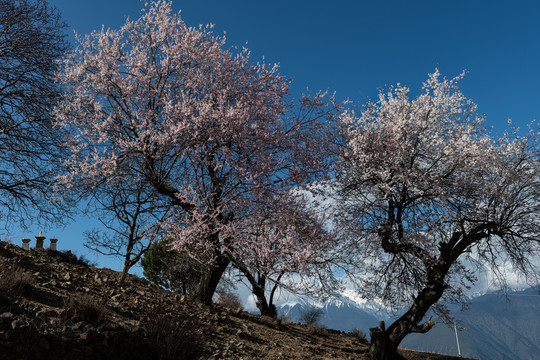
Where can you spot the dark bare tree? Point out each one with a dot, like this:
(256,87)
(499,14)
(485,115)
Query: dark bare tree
(132,219)
(32,39)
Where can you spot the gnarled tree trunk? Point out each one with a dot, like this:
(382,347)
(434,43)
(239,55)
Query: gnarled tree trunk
(385,342)
(263,306)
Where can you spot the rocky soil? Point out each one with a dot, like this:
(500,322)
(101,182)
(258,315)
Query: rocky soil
(55,306)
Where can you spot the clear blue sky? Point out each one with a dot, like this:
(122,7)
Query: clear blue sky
(357,47)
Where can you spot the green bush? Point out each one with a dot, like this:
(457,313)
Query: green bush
(171,269)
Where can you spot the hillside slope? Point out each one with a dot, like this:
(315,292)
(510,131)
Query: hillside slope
(54,306)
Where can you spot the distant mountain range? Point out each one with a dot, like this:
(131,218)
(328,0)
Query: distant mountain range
(494,327)
(340,313)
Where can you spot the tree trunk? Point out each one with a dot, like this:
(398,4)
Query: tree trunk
(262,305)
(377,350)
(259,287)
(380,349)
(127,265)
(385,347)
(384,343)
(210,279)
(124,274)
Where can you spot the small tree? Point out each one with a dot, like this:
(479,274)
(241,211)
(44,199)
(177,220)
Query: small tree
(425,191)
(171,269)
(211,134)
(31,40)
(284,246)
(154,263)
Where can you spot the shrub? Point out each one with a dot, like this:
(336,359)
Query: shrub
(284,318)
(318,330)
(83,260)
(359,334)
(14,283)
(176,336)
(311,316)
(229,299)
(68,257)
(84,307)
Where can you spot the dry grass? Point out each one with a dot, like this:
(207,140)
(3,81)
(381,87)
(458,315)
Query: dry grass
(179,336)
(83,307)
(14,283)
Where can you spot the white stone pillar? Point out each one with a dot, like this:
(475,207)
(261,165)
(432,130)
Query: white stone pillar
(26,244)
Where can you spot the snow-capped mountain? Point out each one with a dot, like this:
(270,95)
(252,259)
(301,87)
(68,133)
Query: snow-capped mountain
(339,312)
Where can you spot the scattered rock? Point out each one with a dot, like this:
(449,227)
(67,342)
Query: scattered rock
(17,323)
(78,326)
(6,316)
(46,313)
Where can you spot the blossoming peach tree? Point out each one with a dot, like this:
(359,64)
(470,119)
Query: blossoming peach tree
(214,135)
(425,190)
(285,245)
